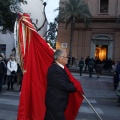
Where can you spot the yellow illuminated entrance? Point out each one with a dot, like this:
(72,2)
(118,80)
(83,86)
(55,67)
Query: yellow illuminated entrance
(101,52)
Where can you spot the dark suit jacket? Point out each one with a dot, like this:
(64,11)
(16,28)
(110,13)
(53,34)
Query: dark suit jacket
(58,88)
(2,68)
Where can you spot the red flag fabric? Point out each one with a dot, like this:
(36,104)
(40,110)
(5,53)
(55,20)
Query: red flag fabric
(36,56)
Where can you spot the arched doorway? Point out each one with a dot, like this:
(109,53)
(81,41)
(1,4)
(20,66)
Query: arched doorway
(102,46)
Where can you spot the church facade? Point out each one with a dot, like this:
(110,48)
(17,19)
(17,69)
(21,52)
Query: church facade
(101,39)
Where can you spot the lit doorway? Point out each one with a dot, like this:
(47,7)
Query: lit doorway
(101,52)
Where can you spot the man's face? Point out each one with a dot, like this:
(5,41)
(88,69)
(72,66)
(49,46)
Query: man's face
(63,59)
(12,58)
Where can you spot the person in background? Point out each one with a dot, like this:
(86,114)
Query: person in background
(77,62)
(110,62)
(116,81)
(5,63)
(73,60)
(2,72)
(19,76)
(116,75)
(58,87)
(81,65)
(11,71)
(113,64)
(86,62)
(98,67)
(90,67)
(106,66)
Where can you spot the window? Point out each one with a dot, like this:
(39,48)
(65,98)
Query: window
(103,6)
(64,45)
(3,48)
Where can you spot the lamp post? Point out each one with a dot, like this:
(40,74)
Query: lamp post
(44,16)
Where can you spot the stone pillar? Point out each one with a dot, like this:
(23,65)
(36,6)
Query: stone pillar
(92,52)
(110,50)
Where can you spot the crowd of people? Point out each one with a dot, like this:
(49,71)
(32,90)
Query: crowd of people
(91,64)
(10,72)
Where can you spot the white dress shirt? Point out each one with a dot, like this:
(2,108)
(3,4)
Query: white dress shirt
(60,65)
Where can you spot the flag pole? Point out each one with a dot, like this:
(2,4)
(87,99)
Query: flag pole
(91,106)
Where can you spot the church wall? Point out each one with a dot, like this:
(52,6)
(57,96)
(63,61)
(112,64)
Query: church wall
(102,24)
(117,46)
(83,38)
(118,7)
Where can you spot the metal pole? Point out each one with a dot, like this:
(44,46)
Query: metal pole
(91,106)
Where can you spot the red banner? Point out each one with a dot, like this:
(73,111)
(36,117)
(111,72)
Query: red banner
(37,56)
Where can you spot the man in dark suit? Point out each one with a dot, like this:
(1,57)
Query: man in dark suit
(58,87)
(2,72)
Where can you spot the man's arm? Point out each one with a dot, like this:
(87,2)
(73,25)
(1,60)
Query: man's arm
(61,81)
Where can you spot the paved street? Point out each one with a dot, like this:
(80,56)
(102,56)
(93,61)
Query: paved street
(99,92)
(9,103)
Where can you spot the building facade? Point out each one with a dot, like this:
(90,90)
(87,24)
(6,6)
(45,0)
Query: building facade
(35,10)
(6,43)
(101,39)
